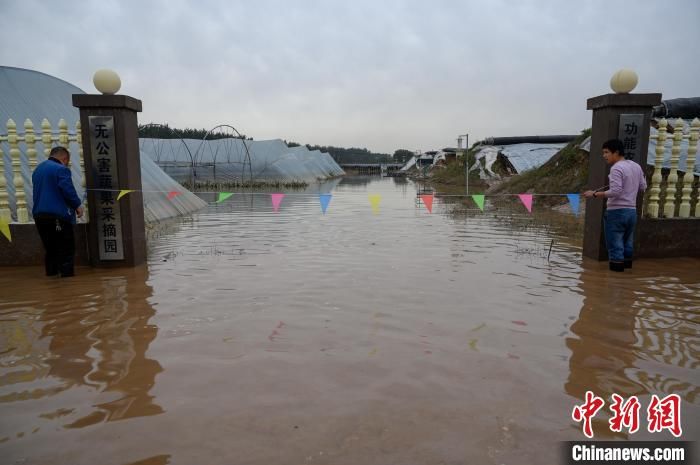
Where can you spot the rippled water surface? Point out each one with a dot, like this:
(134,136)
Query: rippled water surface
(254,337)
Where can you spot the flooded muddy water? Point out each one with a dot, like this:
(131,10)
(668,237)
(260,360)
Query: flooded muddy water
(255,337)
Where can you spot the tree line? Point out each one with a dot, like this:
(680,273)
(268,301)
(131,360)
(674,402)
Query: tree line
(352,155)
(166,132)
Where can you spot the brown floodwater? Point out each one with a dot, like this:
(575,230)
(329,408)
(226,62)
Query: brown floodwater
(402,337)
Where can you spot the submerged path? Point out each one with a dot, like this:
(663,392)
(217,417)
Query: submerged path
(295,337)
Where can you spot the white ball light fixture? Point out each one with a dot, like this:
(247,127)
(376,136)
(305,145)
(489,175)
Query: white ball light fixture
(624,81)
(107,81)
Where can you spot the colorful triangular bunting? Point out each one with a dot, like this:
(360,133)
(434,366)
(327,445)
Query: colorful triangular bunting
(223,196)
(123,192)
(427,201)
(276,201)
(574,202)
(479,201)
(526,199)
(374,200)
(325,199)
(5,229)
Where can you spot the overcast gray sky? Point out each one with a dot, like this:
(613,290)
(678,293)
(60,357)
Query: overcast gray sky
(376,74)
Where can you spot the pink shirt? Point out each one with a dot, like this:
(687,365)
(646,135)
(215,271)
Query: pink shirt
(626,179)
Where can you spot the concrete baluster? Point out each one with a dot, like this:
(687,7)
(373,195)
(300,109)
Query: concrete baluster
(672,180)
(18,181)
(653,202)
(5,214)
(30,141)
(63,133)
(689,178)
(46,136)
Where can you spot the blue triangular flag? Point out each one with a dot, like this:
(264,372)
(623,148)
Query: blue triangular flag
(325,200)
(574,200)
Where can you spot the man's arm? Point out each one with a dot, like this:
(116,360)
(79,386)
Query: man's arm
(65,185)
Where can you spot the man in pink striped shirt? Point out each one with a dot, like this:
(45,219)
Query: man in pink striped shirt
(626,180)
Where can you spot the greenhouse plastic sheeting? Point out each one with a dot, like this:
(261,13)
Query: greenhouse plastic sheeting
(409,164)
(224,160)
(523,157)
(27,94)
(156,204)
(486,157)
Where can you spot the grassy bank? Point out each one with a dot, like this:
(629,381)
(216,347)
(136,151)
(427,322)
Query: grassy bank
(566,172)
(451,178)
(211,186)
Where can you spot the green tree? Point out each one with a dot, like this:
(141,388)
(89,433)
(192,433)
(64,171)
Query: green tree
(352,155)
(166,132)
(402,155)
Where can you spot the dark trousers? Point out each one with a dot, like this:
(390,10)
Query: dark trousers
(59,244)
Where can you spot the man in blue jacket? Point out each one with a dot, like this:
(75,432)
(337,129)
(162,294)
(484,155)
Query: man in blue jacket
(55,207)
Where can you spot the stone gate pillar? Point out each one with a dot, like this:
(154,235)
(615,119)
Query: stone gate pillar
(621,116)
(116,229)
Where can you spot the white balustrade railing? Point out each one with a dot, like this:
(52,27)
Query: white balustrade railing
(680,195)
(25,143)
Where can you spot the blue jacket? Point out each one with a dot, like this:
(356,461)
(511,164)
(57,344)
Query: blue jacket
(54,194)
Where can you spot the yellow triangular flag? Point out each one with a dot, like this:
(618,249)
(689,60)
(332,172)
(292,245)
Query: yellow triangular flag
(374,200)
(123,192)
(5,229)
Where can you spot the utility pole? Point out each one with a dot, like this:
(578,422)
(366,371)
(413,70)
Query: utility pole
(466,158)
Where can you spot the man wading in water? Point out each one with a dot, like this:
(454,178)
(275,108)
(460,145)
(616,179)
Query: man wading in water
(626,180)
(55,205)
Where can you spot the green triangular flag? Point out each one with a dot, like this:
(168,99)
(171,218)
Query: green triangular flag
(479,200)
(223,196)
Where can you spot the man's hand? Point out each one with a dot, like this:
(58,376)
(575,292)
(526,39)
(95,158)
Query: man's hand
(589,194)
(79,212)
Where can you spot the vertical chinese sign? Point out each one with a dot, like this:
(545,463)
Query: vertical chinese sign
(108,221)
(630,133)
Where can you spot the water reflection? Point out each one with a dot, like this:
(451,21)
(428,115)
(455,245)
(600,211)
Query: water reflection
(249,200)
(358,180)
(61,337)
(162,459)
(636,334)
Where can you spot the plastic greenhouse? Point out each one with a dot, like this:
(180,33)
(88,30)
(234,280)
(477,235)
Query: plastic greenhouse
(237,161)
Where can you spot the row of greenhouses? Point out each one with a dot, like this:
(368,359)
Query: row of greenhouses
(236,160)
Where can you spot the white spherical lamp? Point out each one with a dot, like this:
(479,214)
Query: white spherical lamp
(624,81)
(107,81)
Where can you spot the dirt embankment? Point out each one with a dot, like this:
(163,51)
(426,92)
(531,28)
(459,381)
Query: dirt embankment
(565,173)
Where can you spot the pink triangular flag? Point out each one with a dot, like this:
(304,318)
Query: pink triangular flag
(173,194)
(427,201)
(526,199)
(276,200)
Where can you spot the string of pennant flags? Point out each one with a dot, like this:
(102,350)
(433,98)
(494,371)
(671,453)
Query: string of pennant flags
(325,200)
(374,199)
